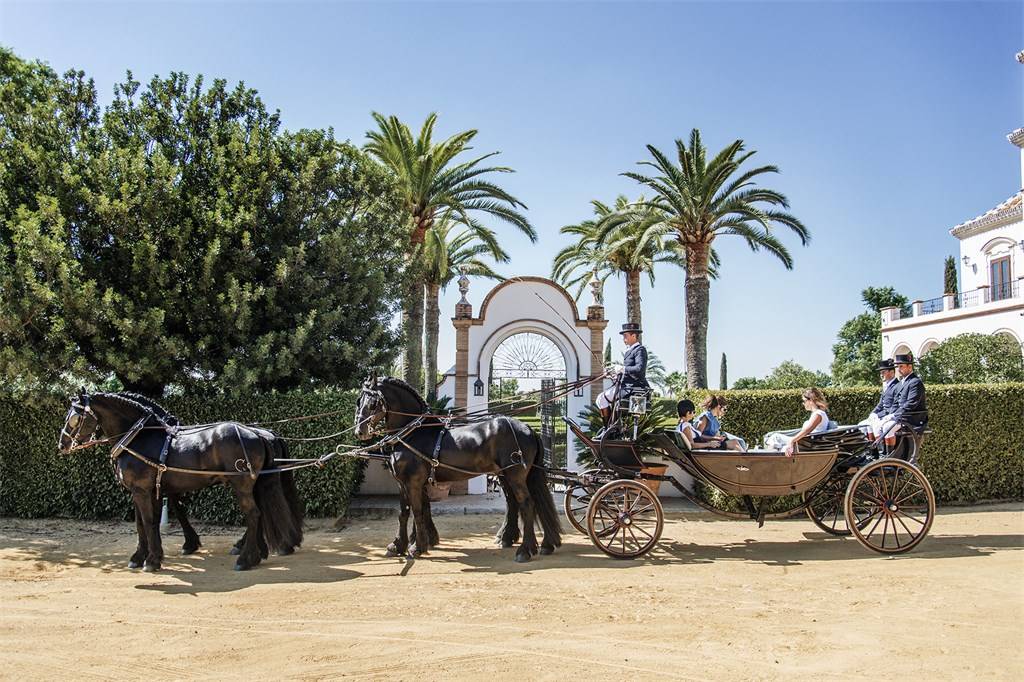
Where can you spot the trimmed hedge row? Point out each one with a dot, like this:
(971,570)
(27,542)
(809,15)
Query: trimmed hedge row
(975,451)
(37,481)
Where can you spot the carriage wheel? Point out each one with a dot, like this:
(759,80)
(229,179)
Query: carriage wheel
(893,505)
(625,519)
(826,507)
(577,501)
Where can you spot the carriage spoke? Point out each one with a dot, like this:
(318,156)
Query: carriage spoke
(896,517)
(877,521)
(639,528)
(908,516)
(910,495)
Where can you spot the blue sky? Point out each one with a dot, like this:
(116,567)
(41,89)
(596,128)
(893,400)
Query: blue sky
(888,121)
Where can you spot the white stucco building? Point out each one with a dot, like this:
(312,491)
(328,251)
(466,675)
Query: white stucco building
(991,282)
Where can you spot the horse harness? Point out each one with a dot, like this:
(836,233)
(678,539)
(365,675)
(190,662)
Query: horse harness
(435,463)
(243,465)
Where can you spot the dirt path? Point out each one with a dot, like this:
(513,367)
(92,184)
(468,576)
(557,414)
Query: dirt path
(717,599)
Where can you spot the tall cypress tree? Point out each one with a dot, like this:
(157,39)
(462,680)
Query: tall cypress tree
(950,284)
(608,352)
(723,377)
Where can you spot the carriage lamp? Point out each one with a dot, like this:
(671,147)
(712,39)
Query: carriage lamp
(478,387)
(638,403)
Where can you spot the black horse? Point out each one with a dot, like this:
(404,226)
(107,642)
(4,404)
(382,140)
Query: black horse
(225,453)
(422,446)
(177,504)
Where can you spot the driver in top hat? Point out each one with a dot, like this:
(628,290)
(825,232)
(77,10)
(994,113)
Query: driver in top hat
(886,402)
(634,369)
(909,407)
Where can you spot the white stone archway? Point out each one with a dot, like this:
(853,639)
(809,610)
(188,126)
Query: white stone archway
(516,306)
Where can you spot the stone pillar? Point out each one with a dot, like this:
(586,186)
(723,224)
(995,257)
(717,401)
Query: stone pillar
(948,301)
(984,296)
(917,308)
(597,324)
(890,314)
(462,321)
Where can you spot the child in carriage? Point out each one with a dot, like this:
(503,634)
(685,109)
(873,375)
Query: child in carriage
(815,403)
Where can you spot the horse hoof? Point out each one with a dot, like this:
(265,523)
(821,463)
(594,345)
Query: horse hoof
(241,567)
(235,551)
(133,564)
(285,551)
(522,558)
(547,550)
(506,544)
(150,568)
(185,551)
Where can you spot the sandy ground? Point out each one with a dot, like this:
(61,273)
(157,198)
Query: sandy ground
(718,599)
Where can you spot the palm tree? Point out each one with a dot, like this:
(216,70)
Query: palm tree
(445,255)
(601,252)
(433,182)
(702,200)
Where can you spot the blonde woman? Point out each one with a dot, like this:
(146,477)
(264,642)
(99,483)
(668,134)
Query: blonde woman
(815,403)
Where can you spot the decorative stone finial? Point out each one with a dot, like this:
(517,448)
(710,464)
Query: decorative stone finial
(596,289)
(463,288)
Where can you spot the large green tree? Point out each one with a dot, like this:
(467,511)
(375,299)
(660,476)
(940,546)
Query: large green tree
(433,182)
(702,200)
(858,346)
(451,249)
(181,237)
(788,374)
(973,359)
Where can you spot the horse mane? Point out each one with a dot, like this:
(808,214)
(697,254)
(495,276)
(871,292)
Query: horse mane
(160,410)
(398,383)
(126,401)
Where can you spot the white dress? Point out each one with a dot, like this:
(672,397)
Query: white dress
(778,440)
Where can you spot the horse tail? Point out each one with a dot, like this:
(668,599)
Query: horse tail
(291,494)
(543,501)
(282,529)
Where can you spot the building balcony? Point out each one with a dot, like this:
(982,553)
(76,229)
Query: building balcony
(980,301)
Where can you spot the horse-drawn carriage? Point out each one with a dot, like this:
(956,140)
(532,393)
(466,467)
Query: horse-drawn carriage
(844,483)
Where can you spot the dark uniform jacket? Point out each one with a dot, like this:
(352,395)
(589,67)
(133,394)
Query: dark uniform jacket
(634,368)
(887,403)
(910,405)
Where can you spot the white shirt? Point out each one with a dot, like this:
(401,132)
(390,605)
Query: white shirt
(822,424)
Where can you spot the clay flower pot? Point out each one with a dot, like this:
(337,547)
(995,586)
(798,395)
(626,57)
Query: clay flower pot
(438,491)
(654,470)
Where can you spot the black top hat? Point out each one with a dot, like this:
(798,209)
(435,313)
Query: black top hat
(631,328)
(886,364)
(903,359)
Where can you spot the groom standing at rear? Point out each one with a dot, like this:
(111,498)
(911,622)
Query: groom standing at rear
(633,373)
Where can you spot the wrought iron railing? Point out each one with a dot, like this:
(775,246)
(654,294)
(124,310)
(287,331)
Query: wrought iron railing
(932,305)
(968,299)
(1003,290)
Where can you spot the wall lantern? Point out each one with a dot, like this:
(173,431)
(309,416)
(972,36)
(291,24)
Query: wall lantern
(966,260)
(578,391)
(478,387)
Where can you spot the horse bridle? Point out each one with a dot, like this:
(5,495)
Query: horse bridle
(379,401)
(80,408)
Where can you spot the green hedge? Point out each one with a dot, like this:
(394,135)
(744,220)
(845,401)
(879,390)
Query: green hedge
(975,451)
(37,481)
